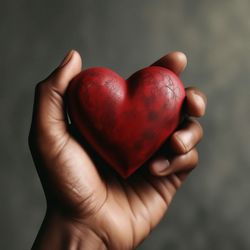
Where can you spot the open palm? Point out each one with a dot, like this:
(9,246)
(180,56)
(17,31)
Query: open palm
(79,185)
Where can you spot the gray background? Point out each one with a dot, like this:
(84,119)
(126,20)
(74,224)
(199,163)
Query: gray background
(211,211)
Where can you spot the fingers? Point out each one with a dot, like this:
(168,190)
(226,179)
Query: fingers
(182,143)
(180,163)
(184,140)
(175,61)
(196,102)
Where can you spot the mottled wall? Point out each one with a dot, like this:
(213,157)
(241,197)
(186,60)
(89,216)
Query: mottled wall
(212,209)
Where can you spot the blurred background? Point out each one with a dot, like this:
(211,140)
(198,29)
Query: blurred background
(211,211)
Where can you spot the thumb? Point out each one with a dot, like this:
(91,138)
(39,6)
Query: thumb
(49,120)
(69,67)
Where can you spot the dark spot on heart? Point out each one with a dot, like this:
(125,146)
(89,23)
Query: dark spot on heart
(149,101)
(148,135)
(138,145)
(153,116)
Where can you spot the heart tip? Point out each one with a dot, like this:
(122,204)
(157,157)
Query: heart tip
(125,174)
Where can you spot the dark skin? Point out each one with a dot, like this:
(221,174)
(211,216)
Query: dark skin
(88,205)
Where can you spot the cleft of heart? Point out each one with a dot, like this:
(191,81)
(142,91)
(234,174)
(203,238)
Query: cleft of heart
(126,121)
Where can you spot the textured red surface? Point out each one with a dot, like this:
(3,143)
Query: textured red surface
(126,121)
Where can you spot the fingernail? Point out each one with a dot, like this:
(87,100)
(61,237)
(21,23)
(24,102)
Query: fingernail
(201,97)
(202,102)
(66,59)
(161,165)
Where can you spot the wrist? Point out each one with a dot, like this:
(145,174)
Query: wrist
(58,232)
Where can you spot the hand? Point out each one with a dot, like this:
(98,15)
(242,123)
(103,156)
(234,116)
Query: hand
(91,209)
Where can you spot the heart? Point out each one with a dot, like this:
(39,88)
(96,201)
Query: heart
(125,121)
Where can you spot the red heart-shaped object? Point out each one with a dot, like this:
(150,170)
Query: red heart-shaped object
(126,121)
